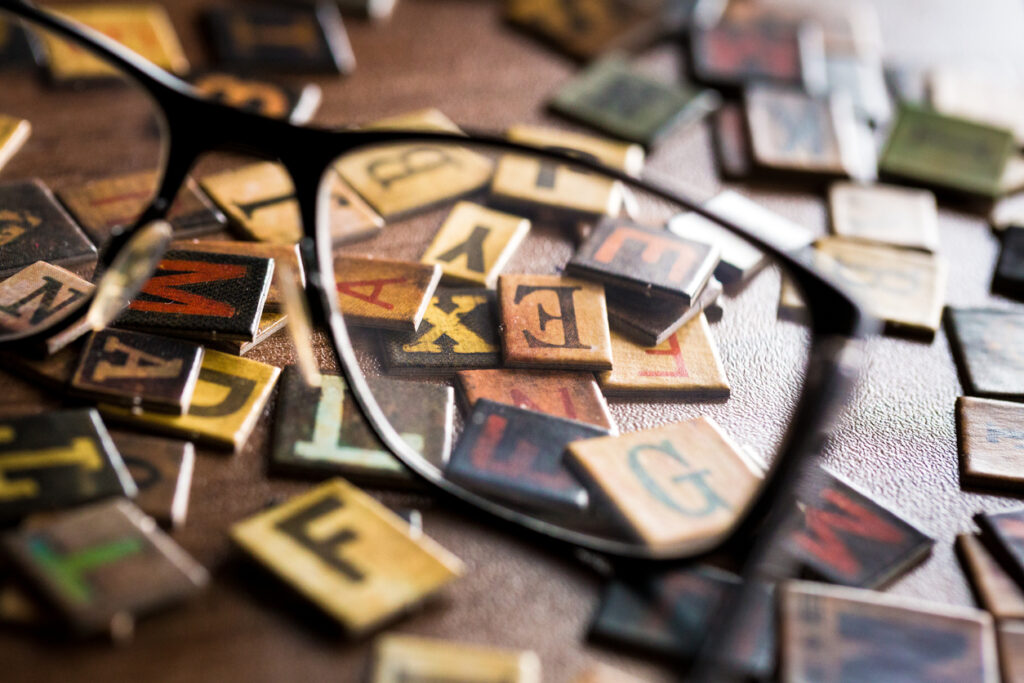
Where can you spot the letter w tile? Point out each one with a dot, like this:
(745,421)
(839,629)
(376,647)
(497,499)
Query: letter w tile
(174,274)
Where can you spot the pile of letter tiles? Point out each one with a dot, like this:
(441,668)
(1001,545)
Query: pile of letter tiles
(794,94)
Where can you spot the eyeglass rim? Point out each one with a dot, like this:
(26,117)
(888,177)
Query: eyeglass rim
(835,316)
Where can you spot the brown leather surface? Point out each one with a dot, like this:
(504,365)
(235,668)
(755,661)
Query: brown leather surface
(897,440)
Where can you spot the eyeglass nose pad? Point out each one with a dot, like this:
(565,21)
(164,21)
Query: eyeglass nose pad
(134,264)
(298,322)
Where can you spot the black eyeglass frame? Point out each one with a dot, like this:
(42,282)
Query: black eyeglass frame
(196,126)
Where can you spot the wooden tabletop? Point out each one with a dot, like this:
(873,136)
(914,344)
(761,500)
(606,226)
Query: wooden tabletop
(896,441)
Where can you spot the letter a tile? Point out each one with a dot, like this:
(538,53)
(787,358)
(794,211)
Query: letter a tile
(475,243)
(227,402)
(516,455)
(348,554)
(991,443)
(196,294)
(836,633)
(686,365)
(145,29)
(986,345)
(13,134)
(552,322)
(103,565)
(399,179)
(273,37)
(616,99)
(849,539)
(137,369)
(55,460)
(645,259)
(560,192)
(34,227)
(402,659)
(162,469)
(321,432)
(376,292)
(105,204)
(572,395)
(679,486)
(459,330)
(39,296)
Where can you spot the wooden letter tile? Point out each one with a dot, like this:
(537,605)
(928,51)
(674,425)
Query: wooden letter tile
(375,292)
(226,404)
(731,142)
(625,254)
(795,134)
(203,295)
(350,218)
(586,29)
(399,179)
(991,443)
(474,244)
(651,320)
(760,48)
(832,633)
(952,154)
(680,486)
(103,205)
(287,253)
(848,538)
(561,192)
(273,37)
(55,460)
(145,29)
(572,395)
(550,321)
(516,455)
(993,587)
(103,565)
(295,104)
(972,94)
(137,369)
(401,658)
(348,554)
(322,432)
(40,296)
(34,227)
(1009,276)
(886,214)
(162,471)
(459,330)
(905,288)
(13,134)
(668,616)
(1011,649)
(686,365)
(986,345)
(616,99)
(271,323)
(1003,534)
(259,199)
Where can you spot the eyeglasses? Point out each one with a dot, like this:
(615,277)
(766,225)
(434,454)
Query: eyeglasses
(501,261)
